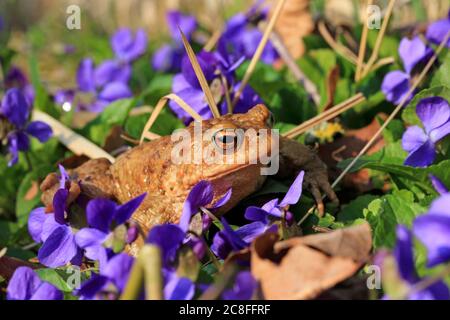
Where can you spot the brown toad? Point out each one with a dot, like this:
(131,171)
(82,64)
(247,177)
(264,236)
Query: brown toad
(150,168)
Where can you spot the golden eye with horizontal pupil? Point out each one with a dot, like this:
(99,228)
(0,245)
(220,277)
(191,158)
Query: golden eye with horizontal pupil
(227,138)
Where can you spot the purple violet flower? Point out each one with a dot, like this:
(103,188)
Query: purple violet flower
(437,31)
(273,210)
(15,110)
(438,185)
(26,285)
(59,245)
(433,230)
(104,84)
(228,240)
(241,36)
(201,195)
(396,84)
(128,47)
(106,220)
(434,112)
(403,253)
(168,57)
(110,282)
(243,288)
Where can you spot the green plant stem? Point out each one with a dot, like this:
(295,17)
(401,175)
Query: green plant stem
(151,261)
(134,285)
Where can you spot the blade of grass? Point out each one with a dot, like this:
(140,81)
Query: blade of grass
(362,44)
(259,51)
(200,76)
(325,116)
(374,56)
(339,48)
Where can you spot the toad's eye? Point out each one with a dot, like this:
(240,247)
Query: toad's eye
(227,139)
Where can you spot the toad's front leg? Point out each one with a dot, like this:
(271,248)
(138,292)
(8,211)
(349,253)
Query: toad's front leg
(295,157)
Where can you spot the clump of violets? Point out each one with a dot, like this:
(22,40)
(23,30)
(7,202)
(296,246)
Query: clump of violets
(98,86)
(264,219)
(168,57)
(78,227)
(25,284)
(16,127)
(396,84)
(434,112)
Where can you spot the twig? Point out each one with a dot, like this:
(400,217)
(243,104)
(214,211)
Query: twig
(259,51)
(342,50)
(362,45)
(200,76)
(73,141)
(284,53)
(325,116)
(158,108)
(380,36)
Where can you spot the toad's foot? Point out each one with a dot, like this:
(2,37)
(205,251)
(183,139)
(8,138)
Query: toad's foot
(295,157)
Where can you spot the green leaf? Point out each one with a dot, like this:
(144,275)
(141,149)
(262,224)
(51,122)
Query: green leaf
(392,154)
(158,87)
(409,113)
(165,124)
(442,75)
(354,209)
(57,277)
(114,114)
(385,213)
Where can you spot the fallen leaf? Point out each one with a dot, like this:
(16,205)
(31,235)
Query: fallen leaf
(305,267)
(354,242)
(294,23)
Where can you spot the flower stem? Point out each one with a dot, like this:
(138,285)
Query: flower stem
(134,285)
(151,261)
(27,158)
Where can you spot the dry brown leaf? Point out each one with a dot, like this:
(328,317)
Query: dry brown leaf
(353,242)
(304,267)
(294,23)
